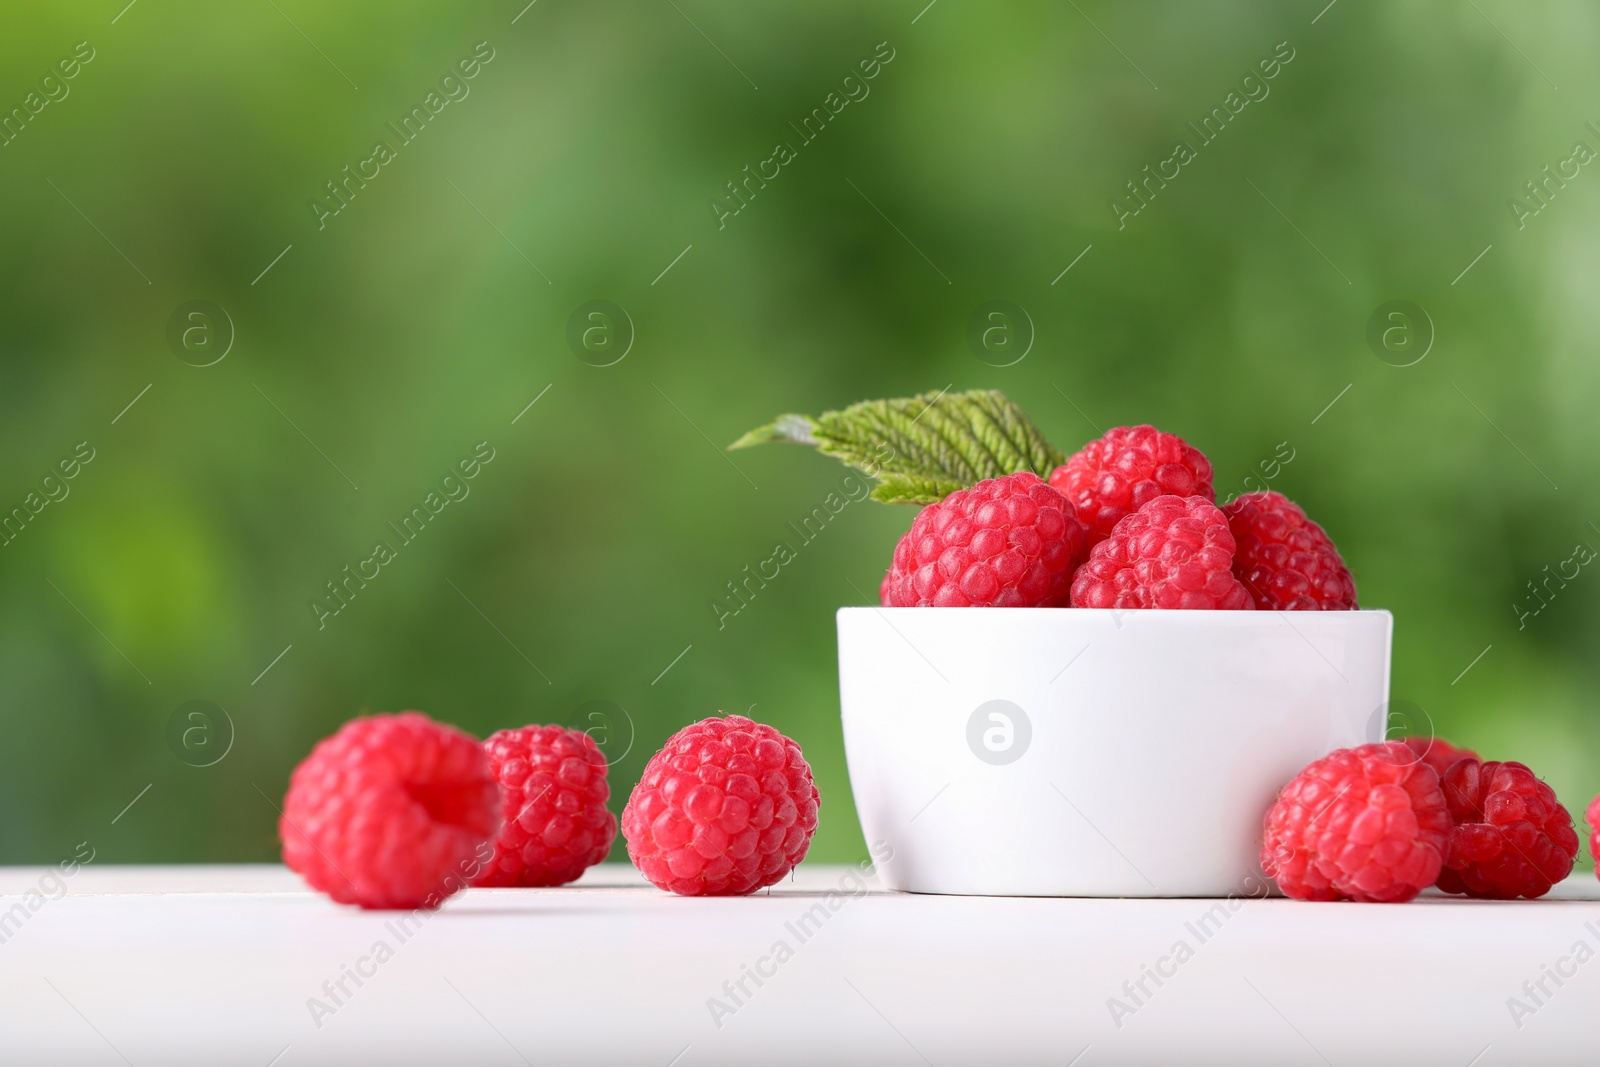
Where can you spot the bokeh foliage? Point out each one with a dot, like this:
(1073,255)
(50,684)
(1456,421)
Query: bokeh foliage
(409,329)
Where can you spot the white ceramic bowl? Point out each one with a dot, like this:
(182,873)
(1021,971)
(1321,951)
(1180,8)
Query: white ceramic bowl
(1080,752)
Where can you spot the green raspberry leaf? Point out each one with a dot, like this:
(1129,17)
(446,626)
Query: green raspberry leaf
(922,448)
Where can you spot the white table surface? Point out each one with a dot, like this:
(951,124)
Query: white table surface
(215,966)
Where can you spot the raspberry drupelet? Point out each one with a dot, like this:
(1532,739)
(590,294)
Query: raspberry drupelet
(1437,753)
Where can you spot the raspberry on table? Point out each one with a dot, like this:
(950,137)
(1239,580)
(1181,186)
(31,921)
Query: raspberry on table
(1009,542)
(554,821)
(1437,753)
(1116,475)
(390,812)
(1368,823)
(726,807)
(1174,552)
(1284,559)
(1592,816)
(1511,838)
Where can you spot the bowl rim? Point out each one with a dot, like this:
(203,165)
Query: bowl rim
(1175,615)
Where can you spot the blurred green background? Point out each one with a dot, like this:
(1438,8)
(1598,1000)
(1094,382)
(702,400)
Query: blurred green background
(425,316)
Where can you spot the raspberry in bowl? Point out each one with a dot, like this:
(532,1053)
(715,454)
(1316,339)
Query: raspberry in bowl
(1085,678)
(1006,542)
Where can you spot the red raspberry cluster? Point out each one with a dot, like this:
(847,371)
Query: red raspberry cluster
(1365,823)
(1287,560)
(1512,838)
(1007,542)
(1174,552)
(389,812)
(726,807)
(1382,822)
(399,811)
(553,792)
(1116,475)
(1130,521)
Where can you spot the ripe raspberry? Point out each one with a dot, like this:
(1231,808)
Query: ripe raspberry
(1008,542)
(1592,816)
(1284,559)
(1123,471)
(1437,753)
(1366,823)
(390,811)
(1512,838)
(553,791)
(1174,552)
(727,806)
